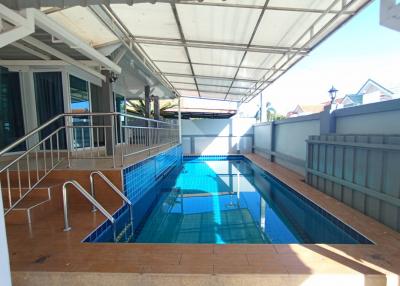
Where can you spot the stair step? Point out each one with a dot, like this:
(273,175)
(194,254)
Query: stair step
(29,212)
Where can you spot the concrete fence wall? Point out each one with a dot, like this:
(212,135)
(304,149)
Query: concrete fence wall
(217,136)
(360,170)
(284,141)
(351,154)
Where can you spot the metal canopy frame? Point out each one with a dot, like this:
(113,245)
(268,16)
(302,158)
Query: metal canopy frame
(242,78)
(289,55)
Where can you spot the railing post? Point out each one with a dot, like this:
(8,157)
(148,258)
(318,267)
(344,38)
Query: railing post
(67,227)
(113,139)
(68,139)
(92,191)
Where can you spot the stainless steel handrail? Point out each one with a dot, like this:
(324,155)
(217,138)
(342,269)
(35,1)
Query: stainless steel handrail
(37,130)
(109,183)
(114,188)
(91,199)
(31,133)
(48,153)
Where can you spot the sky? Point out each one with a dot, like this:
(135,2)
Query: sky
(359,50)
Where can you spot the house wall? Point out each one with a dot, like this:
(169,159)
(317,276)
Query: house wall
(217,136)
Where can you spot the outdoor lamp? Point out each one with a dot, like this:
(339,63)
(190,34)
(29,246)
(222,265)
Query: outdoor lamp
(332,93)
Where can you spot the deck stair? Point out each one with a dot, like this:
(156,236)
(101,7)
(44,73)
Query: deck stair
(36,205)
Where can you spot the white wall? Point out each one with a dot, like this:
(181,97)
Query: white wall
(217,136)
(373,123)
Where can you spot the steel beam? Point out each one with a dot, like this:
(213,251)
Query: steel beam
(214,65)
(216,45)
(17,28)
(36,43)
(211,91)
(45,63)
(201,84)
(108,17)
(31,51)
(265,81)
(53,28)
(209,77)
(261,7)
(249,43)
(17,5)
(183,39)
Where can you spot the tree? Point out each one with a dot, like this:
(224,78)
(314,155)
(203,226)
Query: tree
(271,112)
(140,107)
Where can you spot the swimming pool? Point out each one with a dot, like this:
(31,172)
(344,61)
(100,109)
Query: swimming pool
(222,200)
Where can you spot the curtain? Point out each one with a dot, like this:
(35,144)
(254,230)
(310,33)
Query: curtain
(50,103)
(11,118)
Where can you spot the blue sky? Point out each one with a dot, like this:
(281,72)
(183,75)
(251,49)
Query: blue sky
(361,49)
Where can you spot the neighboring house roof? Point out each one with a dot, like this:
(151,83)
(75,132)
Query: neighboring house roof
(306,109)
(355,98)
(337,101)
(370,86)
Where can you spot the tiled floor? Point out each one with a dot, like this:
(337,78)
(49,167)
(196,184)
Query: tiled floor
(45,255)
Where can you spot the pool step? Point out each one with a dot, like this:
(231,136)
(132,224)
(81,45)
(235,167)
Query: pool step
(123,235)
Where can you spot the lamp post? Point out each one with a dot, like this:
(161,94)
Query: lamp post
(332,94)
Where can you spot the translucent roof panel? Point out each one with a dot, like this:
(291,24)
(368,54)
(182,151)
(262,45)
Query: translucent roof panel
(188,93)
(217,82)
(148,19)
(170,53)
(261,60)
(215,56)
(250,73)
(180,79)
(214,88)
(81,22)
(213,95)
(243,84)
(217,24)
(214,71)
(208,45)
(174,68)
(185,86)
(283,28)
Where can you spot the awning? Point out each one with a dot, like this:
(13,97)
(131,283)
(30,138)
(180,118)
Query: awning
(228,50)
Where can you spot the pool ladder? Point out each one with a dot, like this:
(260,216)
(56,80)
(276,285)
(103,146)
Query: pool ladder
(95,204)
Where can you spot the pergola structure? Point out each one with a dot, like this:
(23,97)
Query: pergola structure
(226,50)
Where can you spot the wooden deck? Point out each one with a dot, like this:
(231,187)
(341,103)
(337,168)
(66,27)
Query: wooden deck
(44,254)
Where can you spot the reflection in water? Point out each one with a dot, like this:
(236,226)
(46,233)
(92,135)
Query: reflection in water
(232,202)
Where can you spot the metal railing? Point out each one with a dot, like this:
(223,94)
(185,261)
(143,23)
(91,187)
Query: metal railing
(92,200)
(110,184)
(114,188)
(72,136)
(142,135)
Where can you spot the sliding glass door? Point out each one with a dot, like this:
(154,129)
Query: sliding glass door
(11,119)
(80,103)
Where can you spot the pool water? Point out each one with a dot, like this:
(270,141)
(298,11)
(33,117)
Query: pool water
(208,200)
